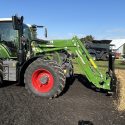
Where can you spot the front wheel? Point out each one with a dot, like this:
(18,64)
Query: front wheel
(44,78)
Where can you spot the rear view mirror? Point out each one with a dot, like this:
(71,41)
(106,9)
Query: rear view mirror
(35,28)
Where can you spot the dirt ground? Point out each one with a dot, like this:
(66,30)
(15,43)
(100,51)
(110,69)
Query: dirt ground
(121,89)
(17,107)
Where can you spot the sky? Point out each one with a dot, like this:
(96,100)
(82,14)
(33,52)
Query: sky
(103,19)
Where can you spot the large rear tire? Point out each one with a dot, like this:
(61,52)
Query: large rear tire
(44,78)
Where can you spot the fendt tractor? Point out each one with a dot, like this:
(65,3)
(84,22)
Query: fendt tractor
(44,65)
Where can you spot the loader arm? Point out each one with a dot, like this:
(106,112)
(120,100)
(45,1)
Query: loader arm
(88,66)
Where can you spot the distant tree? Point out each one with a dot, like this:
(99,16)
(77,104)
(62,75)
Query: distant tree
(88,38)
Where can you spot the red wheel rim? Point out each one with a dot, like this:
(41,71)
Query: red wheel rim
(42,80)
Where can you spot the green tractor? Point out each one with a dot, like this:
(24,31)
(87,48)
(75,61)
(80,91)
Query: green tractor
(44,65)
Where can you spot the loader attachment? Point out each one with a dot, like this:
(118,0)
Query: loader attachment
(111,72)
(95,75)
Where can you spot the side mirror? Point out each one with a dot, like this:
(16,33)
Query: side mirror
(46,32)
(35,27)
(17,22)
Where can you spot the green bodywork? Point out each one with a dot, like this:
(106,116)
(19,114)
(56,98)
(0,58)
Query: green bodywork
(74,47)
(4,52)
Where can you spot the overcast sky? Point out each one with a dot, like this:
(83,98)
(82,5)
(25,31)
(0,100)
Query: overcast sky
(104,19)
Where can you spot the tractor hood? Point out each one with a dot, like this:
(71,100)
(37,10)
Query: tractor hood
(55,43)
(59,43)
(39,46)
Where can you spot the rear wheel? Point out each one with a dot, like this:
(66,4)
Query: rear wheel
(44,78)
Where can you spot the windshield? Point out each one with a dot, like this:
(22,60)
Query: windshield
(9,36)
(7,32)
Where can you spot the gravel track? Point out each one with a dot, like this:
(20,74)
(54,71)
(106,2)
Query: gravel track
(17,107)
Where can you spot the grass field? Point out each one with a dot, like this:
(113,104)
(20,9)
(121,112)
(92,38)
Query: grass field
(118,64)
(102,65)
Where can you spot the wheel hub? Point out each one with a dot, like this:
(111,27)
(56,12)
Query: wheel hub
(44,80)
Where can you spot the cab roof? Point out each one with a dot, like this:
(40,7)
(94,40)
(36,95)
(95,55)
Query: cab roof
(10,19)
(5,19)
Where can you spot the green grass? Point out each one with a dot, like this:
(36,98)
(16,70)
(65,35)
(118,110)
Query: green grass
(118,64)
(102,65)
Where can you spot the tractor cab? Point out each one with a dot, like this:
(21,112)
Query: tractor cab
(9,36)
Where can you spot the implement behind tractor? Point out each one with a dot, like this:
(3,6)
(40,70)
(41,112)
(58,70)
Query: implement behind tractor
(44,65)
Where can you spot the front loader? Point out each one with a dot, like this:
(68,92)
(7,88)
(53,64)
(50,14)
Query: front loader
(44,65)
